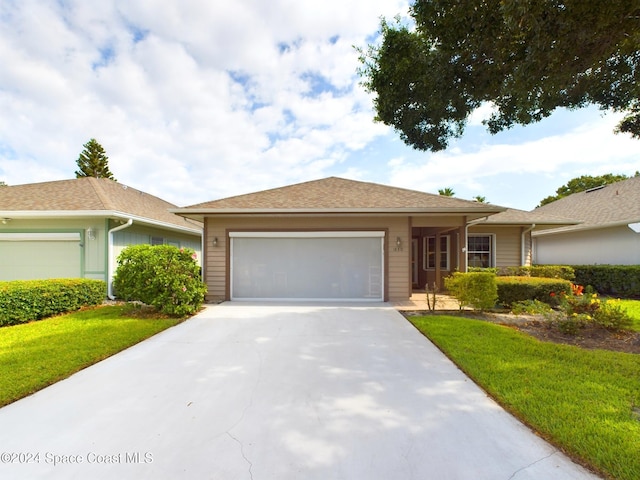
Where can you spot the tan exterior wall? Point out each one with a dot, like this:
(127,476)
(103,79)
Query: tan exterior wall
(397,258)
(508,244)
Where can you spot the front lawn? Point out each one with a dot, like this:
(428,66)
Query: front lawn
(587,402)
(37,354)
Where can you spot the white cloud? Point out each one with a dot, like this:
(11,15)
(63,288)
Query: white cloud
(198,100)
(191,100)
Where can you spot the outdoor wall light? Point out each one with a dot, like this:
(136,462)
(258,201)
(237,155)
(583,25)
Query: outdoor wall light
(91,233)
(398,242)
(215,241)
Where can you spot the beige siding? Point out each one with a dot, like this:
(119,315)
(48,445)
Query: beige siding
(508,247)
(397,259)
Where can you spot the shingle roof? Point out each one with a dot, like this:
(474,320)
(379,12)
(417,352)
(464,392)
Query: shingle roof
(614,204)
(514,216)
(89,194)
(338,194)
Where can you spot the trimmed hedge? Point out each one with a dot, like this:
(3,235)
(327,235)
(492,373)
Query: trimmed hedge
(615,280)
(519,289)
(27,300)
(473,289)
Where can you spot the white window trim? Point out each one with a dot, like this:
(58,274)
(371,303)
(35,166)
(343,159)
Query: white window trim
(493,247)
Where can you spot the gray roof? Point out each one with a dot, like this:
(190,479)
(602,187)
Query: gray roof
(88,197)
(541,220)
(333,194)
(607,206)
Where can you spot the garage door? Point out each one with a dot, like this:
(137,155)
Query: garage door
(28,256)
(307,265)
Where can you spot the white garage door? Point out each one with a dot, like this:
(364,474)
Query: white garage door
(307,265)
(30,256)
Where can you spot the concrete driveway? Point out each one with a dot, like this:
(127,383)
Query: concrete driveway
(254,391)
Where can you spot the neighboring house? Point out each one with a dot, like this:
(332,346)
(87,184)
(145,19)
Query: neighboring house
(609,229)
(76,228)
(343,239)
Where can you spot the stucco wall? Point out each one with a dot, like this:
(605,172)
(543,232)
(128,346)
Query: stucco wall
(613,246)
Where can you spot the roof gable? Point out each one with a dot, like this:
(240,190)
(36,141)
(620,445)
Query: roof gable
(339,194)
(616,203)
(89,194)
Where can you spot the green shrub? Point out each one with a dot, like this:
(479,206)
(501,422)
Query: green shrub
(530,307)
(27,300)
(518,289)
(612,316)
(474,289)
(163,276)
(615,280)
(564,272)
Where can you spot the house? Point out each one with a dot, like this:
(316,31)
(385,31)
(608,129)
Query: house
(343,239)
(608,232)
(76,228)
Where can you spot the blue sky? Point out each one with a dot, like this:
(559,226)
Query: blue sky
(195,101)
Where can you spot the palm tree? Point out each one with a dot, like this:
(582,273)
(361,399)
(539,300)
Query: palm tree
(446,192)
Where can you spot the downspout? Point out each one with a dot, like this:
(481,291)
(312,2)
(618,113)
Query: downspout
(110,256)
(466,237)
(522,239)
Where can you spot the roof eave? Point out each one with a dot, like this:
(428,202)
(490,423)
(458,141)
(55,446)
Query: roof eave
(582,227)
(47,214)
(205,212)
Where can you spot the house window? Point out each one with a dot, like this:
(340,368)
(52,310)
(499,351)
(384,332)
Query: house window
(157,241)
(480,251)
(430,253)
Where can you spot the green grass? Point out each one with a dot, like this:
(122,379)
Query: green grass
(37,354)
(633,309)
(585,401)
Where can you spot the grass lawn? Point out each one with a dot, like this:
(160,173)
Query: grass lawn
(37,354)
(633,308)
(585,401)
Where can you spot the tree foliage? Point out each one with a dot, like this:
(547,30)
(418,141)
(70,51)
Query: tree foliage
(580,184)
(93,161)
(526,58)
(446,192)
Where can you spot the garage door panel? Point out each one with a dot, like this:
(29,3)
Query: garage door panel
(307,268)
(30,260)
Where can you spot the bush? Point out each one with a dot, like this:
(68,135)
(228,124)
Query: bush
(475,289)
(163,276)
(564,272)
(27,300)
(530,307)
(519,289)
(615,280)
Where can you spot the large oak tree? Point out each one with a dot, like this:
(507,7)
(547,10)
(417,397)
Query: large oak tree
(526,57)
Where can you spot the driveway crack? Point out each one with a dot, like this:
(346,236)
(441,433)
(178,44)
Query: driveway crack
(242,453)
(531,464)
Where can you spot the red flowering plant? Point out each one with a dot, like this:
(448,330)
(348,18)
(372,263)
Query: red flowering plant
(583,307)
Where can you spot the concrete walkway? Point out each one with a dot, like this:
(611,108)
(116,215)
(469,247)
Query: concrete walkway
(250,391)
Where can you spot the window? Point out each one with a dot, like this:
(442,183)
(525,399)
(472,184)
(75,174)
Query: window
(430,253)
(157,241)
(480,251)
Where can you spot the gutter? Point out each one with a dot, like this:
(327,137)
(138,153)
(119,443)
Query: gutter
(110,256)
(522,239)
